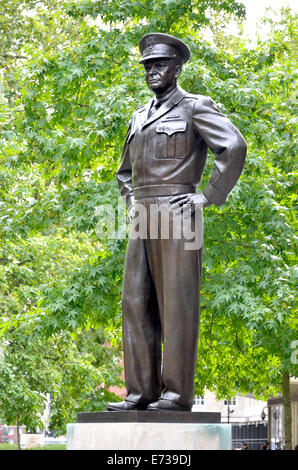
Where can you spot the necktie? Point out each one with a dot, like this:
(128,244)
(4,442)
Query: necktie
(154,108)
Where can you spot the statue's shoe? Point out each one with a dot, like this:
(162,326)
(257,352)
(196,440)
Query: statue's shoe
(167,405)
(126,406)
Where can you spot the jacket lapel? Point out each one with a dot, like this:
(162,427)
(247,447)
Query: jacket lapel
(174,99)
(139,119)
(147,109)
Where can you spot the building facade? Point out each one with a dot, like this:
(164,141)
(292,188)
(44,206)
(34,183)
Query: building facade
(240,409)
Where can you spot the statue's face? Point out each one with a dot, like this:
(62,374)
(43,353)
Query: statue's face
(161,74)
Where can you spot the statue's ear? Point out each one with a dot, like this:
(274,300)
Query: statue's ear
(178,70)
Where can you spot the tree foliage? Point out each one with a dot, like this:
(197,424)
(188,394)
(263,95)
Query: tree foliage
(70,81)
(250,257)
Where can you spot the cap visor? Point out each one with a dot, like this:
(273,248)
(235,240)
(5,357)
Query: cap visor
(156,56)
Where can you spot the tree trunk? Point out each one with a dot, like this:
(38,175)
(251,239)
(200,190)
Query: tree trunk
(18,435)
(287,410)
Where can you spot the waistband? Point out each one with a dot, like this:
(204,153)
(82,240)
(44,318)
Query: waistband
(156,190)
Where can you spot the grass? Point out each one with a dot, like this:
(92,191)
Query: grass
(50,447)
(6,446)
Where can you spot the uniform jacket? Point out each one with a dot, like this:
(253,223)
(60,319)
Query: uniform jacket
(170,148)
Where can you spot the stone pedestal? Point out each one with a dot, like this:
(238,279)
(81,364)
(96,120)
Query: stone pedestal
(146,430)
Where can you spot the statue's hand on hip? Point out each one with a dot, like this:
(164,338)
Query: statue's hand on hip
(184,202)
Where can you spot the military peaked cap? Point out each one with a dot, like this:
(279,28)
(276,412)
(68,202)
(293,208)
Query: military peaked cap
(163,46)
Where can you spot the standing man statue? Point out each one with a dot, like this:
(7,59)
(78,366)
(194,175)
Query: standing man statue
(163,160)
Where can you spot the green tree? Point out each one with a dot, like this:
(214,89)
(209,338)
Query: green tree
(31,367)
(65,108)
(250,271)
(68,88)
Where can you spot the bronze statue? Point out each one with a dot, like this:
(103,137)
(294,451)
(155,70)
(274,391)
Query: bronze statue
(163,160)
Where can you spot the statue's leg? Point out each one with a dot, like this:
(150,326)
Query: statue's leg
(141,327)
(176,273)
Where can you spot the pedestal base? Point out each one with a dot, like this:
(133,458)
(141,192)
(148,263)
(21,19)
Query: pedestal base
(181,433)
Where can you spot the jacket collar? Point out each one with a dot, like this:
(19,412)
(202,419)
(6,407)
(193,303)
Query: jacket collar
(173,100)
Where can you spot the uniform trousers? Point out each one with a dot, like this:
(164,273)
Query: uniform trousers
(160,313)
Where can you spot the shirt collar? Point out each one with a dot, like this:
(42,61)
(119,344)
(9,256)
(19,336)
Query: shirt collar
(164,98)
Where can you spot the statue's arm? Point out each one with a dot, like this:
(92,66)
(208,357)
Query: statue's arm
(226,142)
(124,173)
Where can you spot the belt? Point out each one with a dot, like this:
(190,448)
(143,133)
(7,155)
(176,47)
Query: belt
(156,190)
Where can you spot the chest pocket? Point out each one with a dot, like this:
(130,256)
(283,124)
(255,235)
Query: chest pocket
(171,140)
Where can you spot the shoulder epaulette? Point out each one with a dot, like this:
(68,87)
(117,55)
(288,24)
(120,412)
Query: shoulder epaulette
(195,97)
(142,106)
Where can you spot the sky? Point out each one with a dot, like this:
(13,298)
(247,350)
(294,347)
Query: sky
(256,9)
